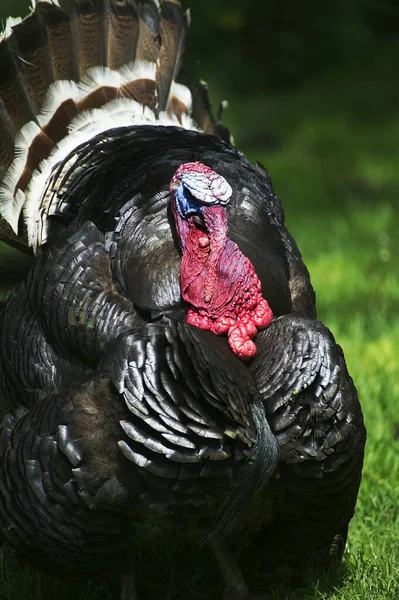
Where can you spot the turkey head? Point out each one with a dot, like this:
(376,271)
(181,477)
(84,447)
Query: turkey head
(217,280)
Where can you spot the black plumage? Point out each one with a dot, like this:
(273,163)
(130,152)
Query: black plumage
(116,412)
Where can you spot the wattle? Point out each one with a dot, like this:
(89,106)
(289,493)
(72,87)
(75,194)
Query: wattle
(220,284)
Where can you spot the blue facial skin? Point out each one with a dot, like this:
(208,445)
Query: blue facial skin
(187,205)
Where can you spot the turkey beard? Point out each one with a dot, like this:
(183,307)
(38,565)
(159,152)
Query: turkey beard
(219,282)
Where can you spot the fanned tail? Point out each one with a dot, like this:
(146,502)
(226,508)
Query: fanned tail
(69,73)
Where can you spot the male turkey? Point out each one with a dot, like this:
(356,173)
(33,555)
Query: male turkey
(161,363)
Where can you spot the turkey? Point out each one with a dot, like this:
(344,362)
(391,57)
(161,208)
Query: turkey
(161,365)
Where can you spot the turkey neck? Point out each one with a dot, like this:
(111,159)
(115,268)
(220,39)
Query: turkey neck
(202,249)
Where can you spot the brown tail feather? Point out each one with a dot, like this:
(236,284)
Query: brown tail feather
(202,112)
(91,33)
(39,149)
(61,41)
(177,107)
(141,90)
(173,31)
(57,127)
(31,51)
(148,40)
(13,89)
(98,98)
(123,34)
(7,136)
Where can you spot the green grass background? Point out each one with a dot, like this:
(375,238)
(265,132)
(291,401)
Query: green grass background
(331,148)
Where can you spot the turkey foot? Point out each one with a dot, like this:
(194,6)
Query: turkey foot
(235,587)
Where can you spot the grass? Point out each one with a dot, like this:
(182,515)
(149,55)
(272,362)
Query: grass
(330,148)
(332,154)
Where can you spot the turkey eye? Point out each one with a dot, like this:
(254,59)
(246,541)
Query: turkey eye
(193,206)
(188,195)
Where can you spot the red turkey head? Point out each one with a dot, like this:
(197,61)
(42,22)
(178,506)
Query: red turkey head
(217,281)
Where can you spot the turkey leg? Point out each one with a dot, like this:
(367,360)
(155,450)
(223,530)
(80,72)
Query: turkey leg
(128,586)
(235,587)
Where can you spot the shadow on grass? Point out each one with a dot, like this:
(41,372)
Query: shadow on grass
(22,582)
(195,578)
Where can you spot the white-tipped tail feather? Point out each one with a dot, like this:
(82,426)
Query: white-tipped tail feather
(118,112)
(58,92)
(138,90)
(122,112)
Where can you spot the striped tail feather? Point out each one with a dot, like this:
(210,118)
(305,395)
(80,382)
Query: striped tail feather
(148,44)
(29,48)
(71,72)
(61,40)
(172,30)
(123,34)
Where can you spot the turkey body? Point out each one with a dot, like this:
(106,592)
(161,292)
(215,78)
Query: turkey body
(118,413)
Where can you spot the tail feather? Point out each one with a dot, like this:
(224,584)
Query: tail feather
(148,43)
(139,83)
(180,101)
(13,87)
(202,112)
(123,34)
(90,22)
(70,73)
(173,31)
(61,40)
(7,136)
(30,48)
